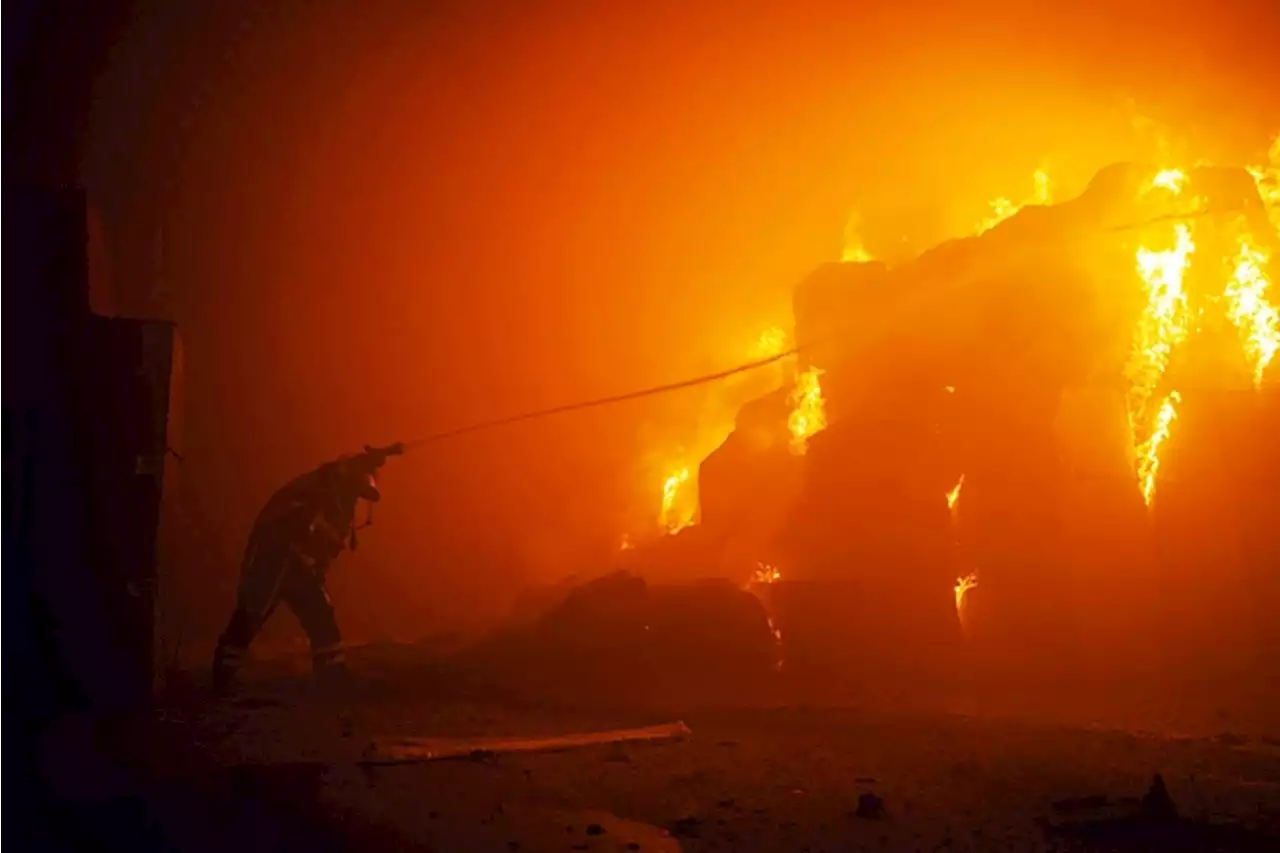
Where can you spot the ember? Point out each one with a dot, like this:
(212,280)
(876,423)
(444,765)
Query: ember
(766,573)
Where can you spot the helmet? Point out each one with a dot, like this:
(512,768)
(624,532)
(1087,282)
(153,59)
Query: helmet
(355,477)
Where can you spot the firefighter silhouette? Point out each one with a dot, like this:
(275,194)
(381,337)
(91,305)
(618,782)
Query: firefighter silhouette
(297,535)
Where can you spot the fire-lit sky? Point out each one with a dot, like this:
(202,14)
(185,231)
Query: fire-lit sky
(387,218)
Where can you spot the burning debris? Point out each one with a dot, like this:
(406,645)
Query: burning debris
(1106,291)
(620,633)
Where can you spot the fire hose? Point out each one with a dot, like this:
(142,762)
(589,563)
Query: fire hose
(599,401)
(377,456)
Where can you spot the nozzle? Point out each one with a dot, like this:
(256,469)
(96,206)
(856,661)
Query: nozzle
(390,450)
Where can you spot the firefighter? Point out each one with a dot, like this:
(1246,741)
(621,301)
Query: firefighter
(303,527)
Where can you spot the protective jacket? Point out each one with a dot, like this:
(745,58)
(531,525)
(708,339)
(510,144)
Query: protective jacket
(296,536)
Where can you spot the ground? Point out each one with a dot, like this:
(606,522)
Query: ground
(952,773)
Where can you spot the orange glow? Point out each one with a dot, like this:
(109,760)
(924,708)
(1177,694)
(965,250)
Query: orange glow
(772,341)
(471,215)
(1149,450)
(766,573)
(963,585)
(1248,308)
(954,495)
(1164,324)
(1172,180)
(808,415)
(1002,208)
(679,502)
(854,252)
(1267,179)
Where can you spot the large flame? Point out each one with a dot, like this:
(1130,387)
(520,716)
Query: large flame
(1165,323)
(809,413)
(1248,308)
(1161,260)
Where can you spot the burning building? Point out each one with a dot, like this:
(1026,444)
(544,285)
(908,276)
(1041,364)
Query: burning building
(1069,404)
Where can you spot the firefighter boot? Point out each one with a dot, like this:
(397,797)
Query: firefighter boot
(233,645)
(329,668)
(226,663)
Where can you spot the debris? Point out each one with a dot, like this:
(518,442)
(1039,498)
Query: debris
(1156,803)
(870,807)
(1149,823)
(413,750)
(595,829)
(687,827)
(726,804)
(1072,805)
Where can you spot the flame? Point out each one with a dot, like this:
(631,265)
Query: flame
(772,342)
(1002,208)
(1164,324)
(1267,179)
(766,573)
(963,585)
(1149,451)
(1172,180)
(677,508)
(954,494)
(679,504)
(1249,310)
(809,413)
(853,252)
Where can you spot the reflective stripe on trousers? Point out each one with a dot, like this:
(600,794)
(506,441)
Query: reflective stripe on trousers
(333,654)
